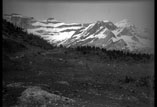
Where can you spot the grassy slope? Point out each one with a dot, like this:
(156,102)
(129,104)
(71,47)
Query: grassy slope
(92,81)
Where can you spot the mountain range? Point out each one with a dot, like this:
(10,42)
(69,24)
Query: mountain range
(104,34)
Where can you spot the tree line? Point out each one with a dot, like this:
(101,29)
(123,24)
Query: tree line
(116,55)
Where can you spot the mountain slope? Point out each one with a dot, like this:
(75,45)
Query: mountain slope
(104,34)
(16,39)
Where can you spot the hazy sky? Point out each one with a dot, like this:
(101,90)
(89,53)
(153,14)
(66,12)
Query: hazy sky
(140,13)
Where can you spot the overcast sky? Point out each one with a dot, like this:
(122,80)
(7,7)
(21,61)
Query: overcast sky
(140,13)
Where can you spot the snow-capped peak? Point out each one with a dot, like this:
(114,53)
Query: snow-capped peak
(104,33)
(106,21)
(124,23)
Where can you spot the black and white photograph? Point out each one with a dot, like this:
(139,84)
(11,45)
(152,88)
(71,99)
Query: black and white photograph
(78,53)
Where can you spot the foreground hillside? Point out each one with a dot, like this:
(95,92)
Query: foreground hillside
(36,74)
